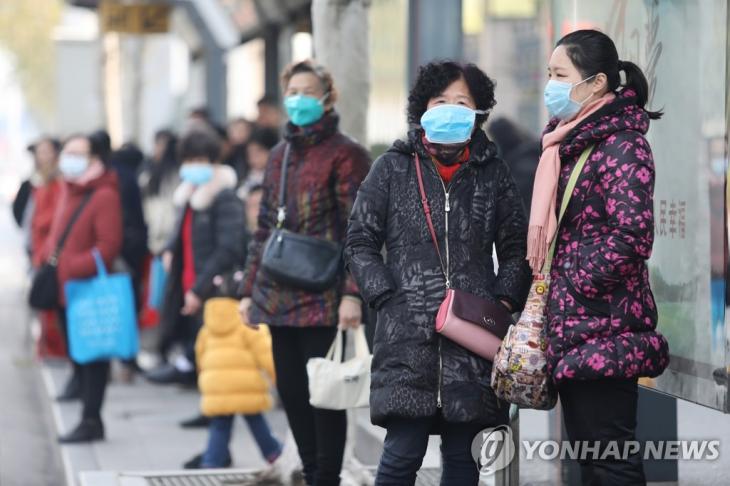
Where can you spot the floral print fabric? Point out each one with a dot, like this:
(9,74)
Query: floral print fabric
(601,313)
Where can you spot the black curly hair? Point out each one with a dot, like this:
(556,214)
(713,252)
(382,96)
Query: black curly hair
(436,76)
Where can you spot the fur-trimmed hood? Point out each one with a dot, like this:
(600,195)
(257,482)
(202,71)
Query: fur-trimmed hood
(201,197)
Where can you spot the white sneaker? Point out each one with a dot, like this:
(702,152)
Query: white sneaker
(285,465)
(354,474)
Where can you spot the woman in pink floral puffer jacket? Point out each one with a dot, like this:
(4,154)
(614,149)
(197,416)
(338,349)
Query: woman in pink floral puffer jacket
(601,314)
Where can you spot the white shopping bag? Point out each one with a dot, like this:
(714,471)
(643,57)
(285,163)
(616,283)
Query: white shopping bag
(338,385)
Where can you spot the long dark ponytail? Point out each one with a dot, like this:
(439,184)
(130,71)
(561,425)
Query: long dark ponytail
(594,52)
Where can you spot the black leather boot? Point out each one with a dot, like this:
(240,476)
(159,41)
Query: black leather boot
(88,430)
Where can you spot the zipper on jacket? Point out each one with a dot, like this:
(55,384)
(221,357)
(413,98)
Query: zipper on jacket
(447,274)
(447,210)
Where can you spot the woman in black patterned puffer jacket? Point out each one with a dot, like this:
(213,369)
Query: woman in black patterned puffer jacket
(422,382)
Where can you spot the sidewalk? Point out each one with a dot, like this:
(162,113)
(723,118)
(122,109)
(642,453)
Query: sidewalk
(143,437)
(142,431)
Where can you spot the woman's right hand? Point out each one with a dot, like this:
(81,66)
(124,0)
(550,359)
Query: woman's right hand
(167,260)
(243,309)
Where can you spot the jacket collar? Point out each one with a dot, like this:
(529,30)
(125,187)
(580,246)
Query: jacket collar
(481,149)
(201,197)
(312,134)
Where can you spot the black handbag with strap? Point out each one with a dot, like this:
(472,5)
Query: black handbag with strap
(44,289)
(299,261)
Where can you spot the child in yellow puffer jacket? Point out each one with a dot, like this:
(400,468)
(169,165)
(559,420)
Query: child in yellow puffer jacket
(235,372)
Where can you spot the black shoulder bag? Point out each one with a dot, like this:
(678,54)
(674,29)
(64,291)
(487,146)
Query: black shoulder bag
(299,261)
(44,289)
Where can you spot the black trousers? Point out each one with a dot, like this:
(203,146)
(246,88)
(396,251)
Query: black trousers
(603,410)
(320,434)
(93,377)
(189,328)
(406,443)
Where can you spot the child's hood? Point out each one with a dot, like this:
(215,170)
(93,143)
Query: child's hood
(221,316)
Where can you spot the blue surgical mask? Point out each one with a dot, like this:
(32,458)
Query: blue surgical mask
(447,124)
(72,166)
(558,102)
(196,173)
(304,110)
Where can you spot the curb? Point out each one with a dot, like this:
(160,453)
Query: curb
(51,392)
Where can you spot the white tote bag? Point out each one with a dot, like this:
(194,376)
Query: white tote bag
(338,385)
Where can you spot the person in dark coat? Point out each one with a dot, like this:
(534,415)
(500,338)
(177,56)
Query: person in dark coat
(208,240)
(422,382)
(601,314)
(99,226)
(521,151)
(325,170)
(126,163)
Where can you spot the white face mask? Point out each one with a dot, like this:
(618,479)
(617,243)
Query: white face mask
(72,166)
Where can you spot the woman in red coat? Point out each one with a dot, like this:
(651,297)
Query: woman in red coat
(47,186)
(99,225)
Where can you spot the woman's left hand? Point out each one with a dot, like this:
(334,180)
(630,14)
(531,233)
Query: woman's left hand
(349,313)
(192,304)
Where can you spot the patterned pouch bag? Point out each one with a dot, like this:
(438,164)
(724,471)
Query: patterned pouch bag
(519,373)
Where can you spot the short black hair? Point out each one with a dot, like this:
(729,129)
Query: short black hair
(436,76)
(266,137)
(268,100)
(199,143)
(55,143)
(164,133)
(100,144)
(200,112)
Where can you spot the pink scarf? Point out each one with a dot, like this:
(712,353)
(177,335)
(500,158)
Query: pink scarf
(543,219)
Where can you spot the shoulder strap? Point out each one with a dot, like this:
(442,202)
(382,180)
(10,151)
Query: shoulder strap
(427,210)
(564,203)
(62,240)
(281,215)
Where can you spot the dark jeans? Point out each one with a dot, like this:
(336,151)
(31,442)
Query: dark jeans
(405,445)
(93,376)
(603,410)
(219,437)
(320,434)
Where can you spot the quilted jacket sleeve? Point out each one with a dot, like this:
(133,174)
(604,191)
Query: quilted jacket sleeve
(366,236)
(627,183)
(349,174)
(513,278)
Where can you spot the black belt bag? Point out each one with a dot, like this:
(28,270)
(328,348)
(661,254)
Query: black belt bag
(299,261)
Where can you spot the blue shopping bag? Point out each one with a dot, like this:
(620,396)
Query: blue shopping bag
(158,279)
(101,316)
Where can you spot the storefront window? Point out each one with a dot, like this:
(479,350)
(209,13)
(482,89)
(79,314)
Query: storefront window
(682,47)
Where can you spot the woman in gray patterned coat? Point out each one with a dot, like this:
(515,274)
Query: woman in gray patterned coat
(423,383)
